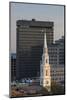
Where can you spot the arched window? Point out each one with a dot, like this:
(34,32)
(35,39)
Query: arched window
(46,72)
(46,60)
(47,82)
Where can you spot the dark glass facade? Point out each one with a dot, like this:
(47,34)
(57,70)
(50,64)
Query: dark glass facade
(13,66)
(30,40)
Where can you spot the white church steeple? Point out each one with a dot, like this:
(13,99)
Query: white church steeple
(45,78)
(45,41)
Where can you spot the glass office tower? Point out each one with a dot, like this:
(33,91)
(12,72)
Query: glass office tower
(29,49)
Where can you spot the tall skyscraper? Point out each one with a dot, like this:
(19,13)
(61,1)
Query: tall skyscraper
(30,41)
(45,78)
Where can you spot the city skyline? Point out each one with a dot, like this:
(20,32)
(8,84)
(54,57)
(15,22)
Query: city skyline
(25,11)
(37,49)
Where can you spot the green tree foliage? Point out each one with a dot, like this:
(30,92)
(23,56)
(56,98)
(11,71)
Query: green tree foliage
(44,91)
(57,89)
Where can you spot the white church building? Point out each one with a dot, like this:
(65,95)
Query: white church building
(48,72)
(45,77)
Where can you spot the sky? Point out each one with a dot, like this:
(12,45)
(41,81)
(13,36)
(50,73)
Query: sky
(23,11)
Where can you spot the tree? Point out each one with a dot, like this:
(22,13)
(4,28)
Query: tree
(44,91)
(57,89)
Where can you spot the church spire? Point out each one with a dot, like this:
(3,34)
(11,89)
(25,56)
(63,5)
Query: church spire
(45,41)
(45,78)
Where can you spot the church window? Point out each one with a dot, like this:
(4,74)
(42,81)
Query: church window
(46,60)
(47,82)
(46,72)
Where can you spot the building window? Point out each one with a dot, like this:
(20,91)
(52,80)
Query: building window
(46,72)
(47,82)
(46,60)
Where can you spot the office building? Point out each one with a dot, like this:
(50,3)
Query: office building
(13,66)
(56,52)
(57,61)
(58,74)
(30,41)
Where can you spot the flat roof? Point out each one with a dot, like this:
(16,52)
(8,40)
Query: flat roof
(36,23)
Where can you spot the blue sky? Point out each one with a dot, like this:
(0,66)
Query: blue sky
(39,12)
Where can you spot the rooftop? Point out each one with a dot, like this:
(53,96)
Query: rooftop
(34,22)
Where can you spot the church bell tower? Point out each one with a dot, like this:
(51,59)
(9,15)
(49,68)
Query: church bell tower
(45,77)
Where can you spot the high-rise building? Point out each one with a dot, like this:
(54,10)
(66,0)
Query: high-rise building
(58,74)
(57,61)
(30,41)
(56,52)
(13,66)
